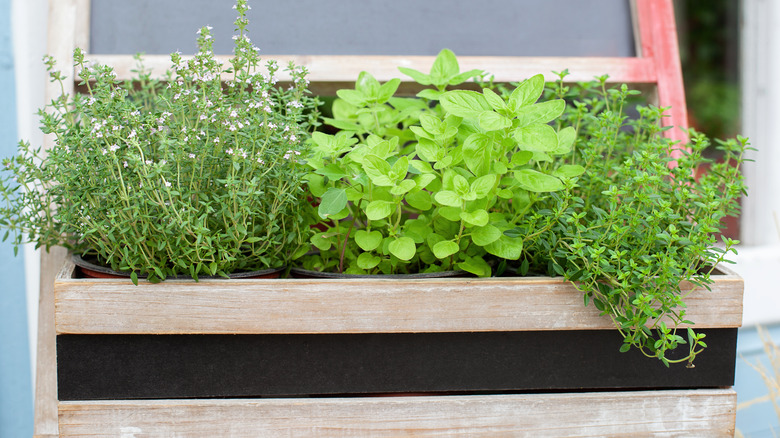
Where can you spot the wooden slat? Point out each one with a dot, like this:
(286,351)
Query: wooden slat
(709,413)
(350,306)
(345,68)
(59,44)
(82,25)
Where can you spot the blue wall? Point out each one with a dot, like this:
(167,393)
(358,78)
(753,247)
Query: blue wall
(16,400)
(759,420)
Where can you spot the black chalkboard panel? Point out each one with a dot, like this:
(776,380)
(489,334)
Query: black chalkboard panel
(94,367)
(590,28)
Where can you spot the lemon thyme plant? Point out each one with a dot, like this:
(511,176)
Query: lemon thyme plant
(433,183)
(198,175)
(640,224)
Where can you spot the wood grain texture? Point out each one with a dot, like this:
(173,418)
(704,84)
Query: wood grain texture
(345,68)
(59,44)
(709,413)
(349,306)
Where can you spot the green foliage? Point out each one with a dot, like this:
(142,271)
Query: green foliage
(433,183)
(641,222)
(183,177)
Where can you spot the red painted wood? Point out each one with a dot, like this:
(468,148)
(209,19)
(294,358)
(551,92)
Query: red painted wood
(658,35)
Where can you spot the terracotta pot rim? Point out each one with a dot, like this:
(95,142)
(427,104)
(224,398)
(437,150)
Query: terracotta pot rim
(93,270)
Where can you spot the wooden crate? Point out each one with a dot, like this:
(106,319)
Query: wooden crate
(88,309)
(302,307)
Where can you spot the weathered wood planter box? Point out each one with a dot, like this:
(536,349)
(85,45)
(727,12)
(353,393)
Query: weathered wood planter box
(471,357)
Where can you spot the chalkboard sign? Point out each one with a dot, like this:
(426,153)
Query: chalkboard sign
(371,27)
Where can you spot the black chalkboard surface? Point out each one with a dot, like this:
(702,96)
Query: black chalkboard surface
(593,28)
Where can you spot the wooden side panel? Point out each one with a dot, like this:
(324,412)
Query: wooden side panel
(89,306)
(709,413)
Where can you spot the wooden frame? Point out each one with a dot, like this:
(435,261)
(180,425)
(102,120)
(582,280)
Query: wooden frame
(657,66)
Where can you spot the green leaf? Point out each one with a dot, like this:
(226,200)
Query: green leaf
(478,153)
(464,103)
(569,171)
(526,93)
(536,138)
(506,247)
(399,170)
(320,241)
(352,97)
(431,123)
(450,213)
(423,180)
(429,151)
(492,121)
(540,112)
(463,77)
(378,170)
(403,187)
(566,137)
(420,200)
(534,181)
(333,171)
(332,202)
(485,235)
(495,101)
(478,218)
(460,185)
(521,158)
(368,240)
(367,84)
(445,248)
(376,210)
(475,265)
(444,67)
(403,248)
(483,185)
(420,77)
(430,94)
(448,198)
(368,261)
(387,90)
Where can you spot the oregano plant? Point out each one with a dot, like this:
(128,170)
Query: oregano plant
(434,182)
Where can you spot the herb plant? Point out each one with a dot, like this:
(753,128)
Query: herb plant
(177,177)
(639,224)
(433,183)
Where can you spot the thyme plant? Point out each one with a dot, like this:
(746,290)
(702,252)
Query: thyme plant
(640,224)
(198,174)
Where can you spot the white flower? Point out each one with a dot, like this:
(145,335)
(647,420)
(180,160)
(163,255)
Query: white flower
(167,184)
(114,147)
(260,160)
(229,151)
(233,113)
(124,163)
(148,162)
(192,156)
(132,134)
(104,151)
(203,117)
(293,138)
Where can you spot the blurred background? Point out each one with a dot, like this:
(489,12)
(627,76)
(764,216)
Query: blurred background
(729,51)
